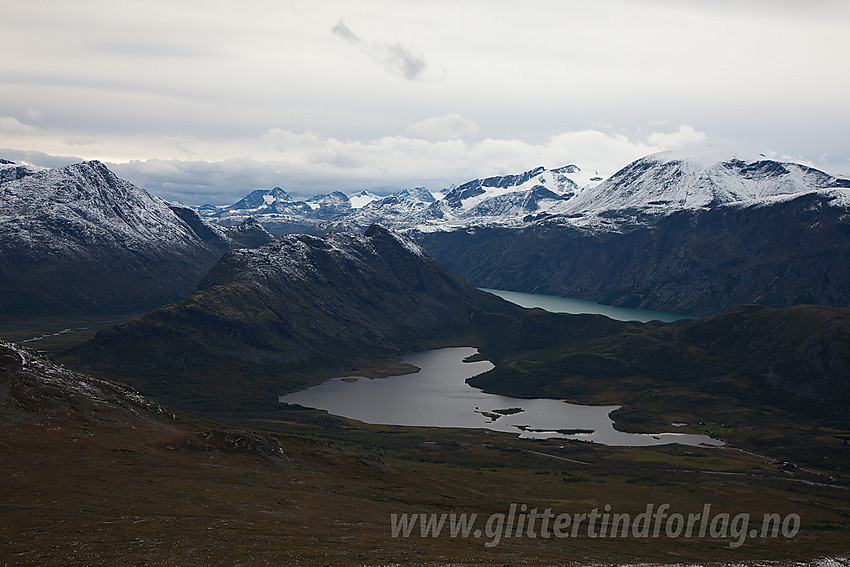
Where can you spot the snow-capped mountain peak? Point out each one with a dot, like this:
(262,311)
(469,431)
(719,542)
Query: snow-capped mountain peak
(697,177)
(261,199)
(361,199)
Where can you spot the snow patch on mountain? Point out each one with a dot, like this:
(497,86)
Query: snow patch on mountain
(361,199)
(299,257)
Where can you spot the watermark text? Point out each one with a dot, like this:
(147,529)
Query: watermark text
(654,522)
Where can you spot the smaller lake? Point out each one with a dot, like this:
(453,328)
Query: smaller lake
(438,396)
(558,304)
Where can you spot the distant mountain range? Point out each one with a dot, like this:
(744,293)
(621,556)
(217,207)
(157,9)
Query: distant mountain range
(694,231)
(501,200)
(697,178)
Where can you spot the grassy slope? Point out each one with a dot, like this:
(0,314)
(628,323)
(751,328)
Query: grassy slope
(115,490)
(89,484)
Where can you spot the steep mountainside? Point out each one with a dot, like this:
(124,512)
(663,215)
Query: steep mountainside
(298,304)
(79,240)
(34,388)
(691,262)
(796,358)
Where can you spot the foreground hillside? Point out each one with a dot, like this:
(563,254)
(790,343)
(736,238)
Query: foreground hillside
(94,474)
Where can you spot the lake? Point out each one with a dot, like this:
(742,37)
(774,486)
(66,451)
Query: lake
(438,396)
(558,304)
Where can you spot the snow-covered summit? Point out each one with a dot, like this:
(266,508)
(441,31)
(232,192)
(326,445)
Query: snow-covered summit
(706,155)
(89,202)
(80,239)
(260,199)
(473,193)
(361,199)
(506,200)
(697,177)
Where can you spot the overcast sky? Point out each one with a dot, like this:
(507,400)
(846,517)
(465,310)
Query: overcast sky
(202,101)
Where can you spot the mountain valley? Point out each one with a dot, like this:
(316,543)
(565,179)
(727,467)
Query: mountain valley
(161,439)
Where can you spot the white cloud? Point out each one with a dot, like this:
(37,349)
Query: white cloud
(186,101)
(12,125)
(447,127)
(684,136)
(309,162)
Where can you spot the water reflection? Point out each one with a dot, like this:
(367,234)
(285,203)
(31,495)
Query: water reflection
(438,396)
(558,304)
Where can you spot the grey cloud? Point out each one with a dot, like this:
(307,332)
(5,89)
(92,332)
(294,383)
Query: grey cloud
(144,47)
(225,182)
(345,32)
(396,58)
(400,60)
(38,159)
(198,182)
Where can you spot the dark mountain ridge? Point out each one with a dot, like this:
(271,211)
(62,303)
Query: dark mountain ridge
(797,358)
(273,318)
